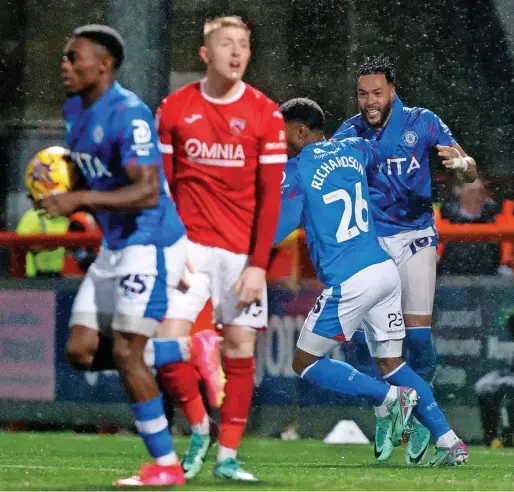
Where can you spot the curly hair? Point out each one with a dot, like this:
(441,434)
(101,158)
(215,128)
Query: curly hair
(378,64)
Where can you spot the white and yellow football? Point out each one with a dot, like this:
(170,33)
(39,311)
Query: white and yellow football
(49,172)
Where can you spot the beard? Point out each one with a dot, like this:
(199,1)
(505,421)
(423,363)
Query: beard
(384,115)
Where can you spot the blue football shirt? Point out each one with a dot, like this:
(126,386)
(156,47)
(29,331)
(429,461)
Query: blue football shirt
(117,131)
(325,189)
(400,186)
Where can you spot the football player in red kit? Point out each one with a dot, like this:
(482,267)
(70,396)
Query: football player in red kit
(224,152)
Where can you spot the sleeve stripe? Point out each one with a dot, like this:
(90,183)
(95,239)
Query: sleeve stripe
(273,159)
(165,148)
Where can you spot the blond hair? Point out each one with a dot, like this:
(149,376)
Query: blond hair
(212,25)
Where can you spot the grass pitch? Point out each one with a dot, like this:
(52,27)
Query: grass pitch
(66,461)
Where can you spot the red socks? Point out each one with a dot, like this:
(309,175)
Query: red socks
(180,380)
(238,399)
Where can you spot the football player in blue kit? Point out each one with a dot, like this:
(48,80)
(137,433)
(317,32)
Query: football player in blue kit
(326,191)
(400,191)
(113,140)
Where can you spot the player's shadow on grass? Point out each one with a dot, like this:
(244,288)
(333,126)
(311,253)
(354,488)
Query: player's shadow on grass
(205,483)
(202,485)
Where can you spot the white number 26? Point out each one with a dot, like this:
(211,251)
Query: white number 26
(344,232)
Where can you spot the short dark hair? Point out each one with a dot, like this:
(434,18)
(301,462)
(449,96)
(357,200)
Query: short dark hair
(105,36)
(378,64)
(305,111)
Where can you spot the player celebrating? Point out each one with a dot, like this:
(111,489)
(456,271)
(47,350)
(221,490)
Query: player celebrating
(224,153)
(361,281)
(113,140)
(400,201)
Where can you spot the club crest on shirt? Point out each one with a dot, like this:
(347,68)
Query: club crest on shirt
(98,134)
(237,125)
(286,185)
(410,138)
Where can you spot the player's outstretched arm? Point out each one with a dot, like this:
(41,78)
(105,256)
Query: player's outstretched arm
(451,153)
(349,129)
(455,158)
(290,216)
(291,207)
(374,152)
(143,192)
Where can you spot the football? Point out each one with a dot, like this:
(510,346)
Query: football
(49,172)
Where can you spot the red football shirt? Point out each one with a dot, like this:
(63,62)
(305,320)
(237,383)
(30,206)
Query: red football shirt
(217,154)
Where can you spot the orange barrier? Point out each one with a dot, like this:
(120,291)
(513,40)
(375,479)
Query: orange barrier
(501,231)
(498,232)
(448,232)
(292,260)
(19,245)
(475,233)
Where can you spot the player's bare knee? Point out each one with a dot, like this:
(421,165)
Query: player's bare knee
(238,342)
(415,320)
(174,328)
(239,349)
(298,365)
(388,365)
(81,347)
(80,356)
(127,354)
(302,360)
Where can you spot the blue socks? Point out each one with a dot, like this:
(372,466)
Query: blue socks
(343,378)
(421,356)
(152,426)
(427,411)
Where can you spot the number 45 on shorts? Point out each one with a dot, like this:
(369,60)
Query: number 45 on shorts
(133,284)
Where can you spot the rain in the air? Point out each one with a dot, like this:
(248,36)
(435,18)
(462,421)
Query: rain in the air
(257,245)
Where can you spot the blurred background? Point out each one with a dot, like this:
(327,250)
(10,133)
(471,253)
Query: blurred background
(455,57)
